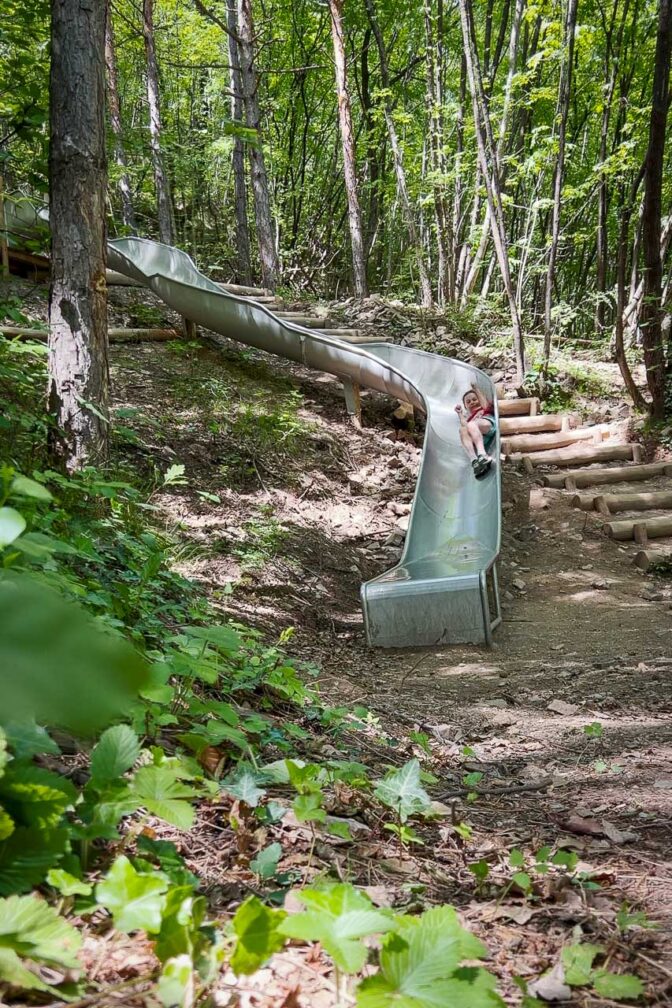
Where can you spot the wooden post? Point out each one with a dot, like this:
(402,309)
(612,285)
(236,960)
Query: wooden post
(353,401)
(517,407)
(4,247)
(190,330)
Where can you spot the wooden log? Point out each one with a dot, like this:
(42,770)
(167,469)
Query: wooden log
(526,443)
(651,528)
(577,456)
(585,502)
(518,407)
(500,391)
(661,500)
(647,558)
(190,330)
(529,424)
(595,477)
(115,335)
(242,291)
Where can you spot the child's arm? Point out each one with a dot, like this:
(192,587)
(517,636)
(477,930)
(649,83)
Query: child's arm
(482,398)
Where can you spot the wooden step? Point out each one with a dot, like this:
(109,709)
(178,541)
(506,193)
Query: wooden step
(578,456)
(518,407)
(534,424)
(607,504)
(641,530)
(525,443)
(250,292)
(595,477)
(647,558)
(307,321)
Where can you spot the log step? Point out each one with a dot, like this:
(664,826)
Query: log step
(580,456)
(534,424)
(641,530)
(307,321)
(242,291)
(518,407)
(525,443)
(594,477)
(648,558)
(608,504)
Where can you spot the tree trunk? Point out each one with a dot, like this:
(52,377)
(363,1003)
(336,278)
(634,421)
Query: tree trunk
(487,156)
(113,104)
(621,277)
(270,267)
(348,145)
(398,159)
(164,203)
(564,91)
(238,156)
(78,369)
(651,313)
(442,214)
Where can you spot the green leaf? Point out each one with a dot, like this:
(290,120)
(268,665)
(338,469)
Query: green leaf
(33,929)
(29,739)
(12,524)
(174,475)
(27,855)
(522,880)
(136,901)
(577,961)
(618,986)
(67,884)
(4,757)
(338,916)
(42,796)
(244,787)
(164,795)
(516,858)
(223,637)
(24,487)
(115,753)
(265,864)
(401,790)
(176,983)
(257,930)
(308,807)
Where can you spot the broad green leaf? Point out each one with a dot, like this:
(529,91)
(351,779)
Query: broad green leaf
(115,753)
(338,916)
(244,787)
(67,884)
(467,988)
(7,825)
(161,792)
(222,637)
(12,524)
(35,930)
(176,983)
(618,986)
(308,808)
(29,739)
(43,796)
(278,771)
(402,791)
(258,935)
(136,901)
(13,972)
(265,864)
(22,486)
(577,961)
(516,858)
(27,855)
(174,475)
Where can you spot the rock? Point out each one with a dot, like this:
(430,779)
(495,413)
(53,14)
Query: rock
(502,719)
(499,702)
(560,707)
(402,522)
(394,539)
(519,584)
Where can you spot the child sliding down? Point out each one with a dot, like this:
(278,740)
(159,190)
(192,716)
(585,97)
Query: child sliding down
(477,429)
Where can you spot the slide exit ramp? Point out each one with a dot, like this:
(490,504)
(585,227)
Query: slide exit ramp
(444,588)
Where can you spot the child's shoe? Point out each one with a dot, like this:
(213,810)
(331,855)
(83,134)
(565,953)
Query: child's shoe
(481,466)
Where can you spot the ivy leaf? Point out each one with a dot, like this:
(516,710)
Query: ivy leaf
(257,930)
(577,961)
(265,864)
(164,795)
(115,753)
(136,901)
(244,787)
(401,790)
(308,808)
(617,986)
(67,884)
(337,917)
(175,986)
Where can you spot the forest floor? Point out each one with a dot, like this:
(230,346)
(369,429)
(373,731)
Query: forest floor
(287,509)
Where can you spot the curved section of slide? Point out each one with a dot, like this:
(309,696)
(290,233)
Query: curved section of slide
(444,588)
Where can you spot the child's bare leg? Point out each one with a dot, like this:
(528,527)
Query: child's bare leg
(467,443)
(476,435)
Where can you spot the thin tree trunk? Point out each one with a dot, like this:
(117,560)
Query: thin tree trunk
(621,276)
(442,215)
(487,156)
(564,92)
(651,313)
(270,267)
(114,106)
(238,155)
(164,203)
(348,145)
(78,369)
(398,160)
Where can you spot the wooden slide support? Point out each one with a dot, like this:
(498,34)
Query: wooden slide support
(518,407)
(534,424)
(648,558)
(608,504)
(594,477)
(641,530)
(115,335)
(585,456)
(525,443)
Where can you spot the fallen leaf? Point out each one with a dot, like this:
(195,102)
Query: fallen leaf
(398,866)
(663,783)
(619,836)
(519,914)
(551,986)
(579,824)
(380,895)
(560,707)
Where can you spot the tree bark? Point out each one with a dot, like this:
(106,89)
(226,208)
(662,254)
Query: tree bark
(270,267)
(78,369)
(348,147)
(164,203)
(114,107)
(651,313)
(442,215)
(238,155)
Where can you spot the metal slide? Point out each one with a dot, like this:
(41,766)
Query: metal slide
(444,588)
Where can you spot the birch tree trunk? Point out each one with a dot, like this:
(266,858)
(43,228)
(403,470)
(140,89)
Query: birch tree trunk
(348,147)
(164,203)
(270,267)
(114,107)
(651,311)
(78,369)
(564,91)
(238,155)
(487,156)
(442,214)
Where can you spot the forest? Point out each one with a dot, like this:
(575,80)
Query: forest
(310,695)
